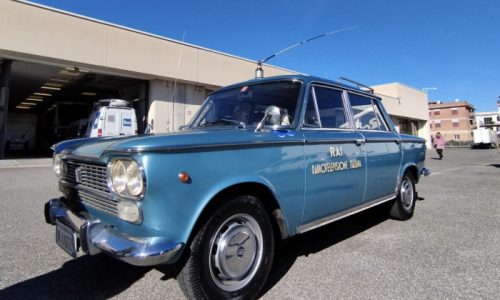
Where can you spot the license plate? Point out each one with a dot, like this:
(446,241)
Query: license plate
(66,238)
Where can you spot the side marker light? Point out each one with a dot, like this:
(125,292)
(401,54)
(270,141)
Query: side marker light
(184,177)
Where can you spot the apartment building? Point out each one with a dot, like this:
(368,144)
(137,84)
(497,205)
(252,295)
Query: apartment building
(489,119)
(455,120)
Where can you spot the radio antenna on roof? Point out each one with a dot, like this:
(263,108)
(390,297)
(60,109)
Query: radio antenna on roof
(259,72)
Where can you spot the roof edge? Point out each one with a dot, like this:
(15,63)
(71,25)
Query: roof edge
(144,33)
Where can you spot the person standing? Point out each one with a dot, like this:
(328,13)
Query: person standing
(439,143)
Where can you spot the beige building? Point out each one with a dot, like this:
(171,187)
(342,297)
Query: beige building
(407,107)
(55,65)
(454,120)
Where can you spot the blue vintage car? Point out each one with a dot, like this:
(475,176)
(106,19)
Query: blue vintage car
(261,161)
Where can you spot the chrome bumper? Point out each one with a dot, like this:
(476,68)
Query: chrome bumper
(95,238)
(425,172)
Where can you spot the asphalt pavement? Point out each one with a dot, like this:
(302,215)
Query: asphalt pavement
(448,250)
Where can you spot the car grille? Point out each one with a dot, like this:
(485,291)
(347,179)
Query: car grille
(93,187)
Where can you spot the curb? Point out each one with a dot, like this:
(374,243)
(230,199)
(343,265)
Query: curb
(25,163)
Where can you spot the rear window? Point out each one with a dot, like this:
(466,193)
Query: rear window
(366,113)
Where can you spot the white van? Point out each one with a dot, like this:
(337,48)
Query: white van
(484,138)
(112,117)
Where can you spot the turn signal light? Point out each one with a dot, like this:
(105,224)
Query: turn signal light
(184,177)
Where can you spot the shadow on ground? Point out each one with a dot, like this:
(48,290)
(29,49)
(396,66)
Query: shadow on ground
(322,238)
(97,277)
(101,277)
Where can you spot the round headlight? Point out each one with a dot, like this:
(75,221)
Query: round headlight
(58,165)
(119,176)
(134,179)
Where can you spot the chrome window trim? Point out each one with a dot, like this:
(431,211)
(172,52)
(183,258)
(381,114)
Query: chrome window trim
(327,129)
(330,141)
(315,103)
(343,214)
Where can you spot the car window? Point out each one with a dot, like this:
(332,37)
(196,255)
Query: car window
(367,115)
(311,118)
(325,109)
(245,106)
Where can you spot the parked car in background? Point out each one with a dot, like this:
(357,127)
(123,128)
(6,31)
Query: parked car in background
(261,161)
(20,143)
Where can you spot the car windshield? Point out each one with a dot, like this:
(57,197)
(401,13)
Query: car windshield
(245,105)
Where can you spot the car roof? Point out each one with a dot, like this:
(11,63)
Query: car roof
(306,79)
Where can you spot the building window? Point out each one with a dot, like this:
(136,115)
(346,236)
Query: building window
(437,112)
(454,111)
(438,125)
(456,137)
(430,125)
(488,120)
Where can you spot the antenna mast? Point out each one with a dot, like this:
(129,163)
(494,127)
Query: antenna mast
(259,72)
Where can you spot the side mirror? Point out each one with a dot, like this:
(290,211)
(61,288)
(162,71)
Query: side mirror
(272,115)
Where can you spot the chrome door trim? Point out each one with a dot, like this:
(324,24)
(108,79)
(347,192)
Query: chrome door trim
(343,214)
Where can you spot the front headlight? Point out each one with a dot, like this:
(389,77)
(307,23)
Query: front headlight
(58,165)
(119,176)
(134,179)
(126,178)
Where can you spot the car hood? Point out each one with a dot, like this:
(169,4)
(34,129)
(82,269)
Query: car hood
(180,141)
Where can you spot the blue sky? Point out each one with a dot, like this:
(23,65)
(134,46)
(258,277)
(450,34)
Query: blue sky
(451,45)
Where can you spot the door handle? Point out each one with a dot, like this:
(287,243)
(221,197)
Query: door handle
(359,142)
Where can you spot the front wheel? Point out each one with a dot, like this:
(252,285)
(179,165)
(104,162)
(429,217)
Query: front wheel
(231,254)
(404,205)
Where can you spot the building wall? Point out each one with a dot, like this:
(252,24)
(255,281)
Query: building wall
(408,108)
(52,36)
(403,101)
(173,104)
(454,120)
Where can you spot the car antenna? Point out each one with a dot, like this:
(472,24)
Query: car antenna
(174,90)
(259,72)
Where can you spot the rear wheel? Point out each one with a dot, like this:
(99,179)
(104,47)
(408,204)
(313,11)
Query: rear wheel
(404,205)
(231,255)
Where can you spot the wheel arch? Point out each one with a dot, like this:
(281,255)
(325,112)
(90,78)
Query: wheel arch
(412,169)
(256,189)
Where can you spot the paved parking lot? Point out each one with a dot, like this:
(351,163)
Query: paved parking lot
(449,250)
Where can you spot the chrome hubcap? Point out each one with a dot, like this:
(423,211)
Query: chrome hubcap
(406,194)
(236,252)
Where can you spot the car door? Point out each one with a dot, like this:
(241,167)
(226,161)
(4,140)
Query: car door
(334,156)
(382,147)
